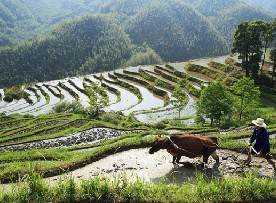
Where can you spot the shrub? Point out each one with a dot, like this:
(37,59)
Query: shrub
(69,107)
(160,125)
(113,118)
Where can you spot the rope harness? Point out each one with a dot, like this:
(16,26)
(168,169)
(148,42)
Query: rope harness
(178,148)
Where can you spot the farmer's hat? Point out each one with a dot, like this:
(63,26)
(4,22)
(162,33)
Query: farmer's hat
(259,122)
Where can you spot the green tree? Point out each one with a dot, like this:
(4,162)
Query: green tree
(96,100)
(273,49)
(247,95)
(241,44)
(247,43)
(215,102)
(179,99)
(273,58)
(266,35)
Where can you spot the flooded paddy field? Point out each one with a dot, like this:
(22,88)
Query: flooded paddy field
(150,109)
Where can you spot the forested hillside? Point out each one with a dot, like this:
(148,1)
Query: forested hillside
(87,45)
(142,31)
(269,5)
(226,16)
(13,16)
(22,19)
(170,26)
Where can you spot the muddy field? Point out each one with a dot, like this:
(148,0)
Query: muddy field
(159,167)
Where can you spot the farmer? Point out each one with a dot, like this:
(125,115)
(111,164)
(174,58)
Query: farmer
(262,146)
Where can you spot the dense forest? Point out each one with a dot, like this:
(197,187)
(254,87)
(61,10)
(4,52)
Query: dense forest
(47,39)
(89,44)
(23,19)
(269,5)
(167,26)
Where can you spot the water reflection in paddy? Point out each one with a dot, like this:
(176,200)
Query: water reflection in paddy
(54,85)
(18,104)
(133,69)
(34,107)
(154,117)
(220,60)
(45,108)
(83,99)
(53,98)
(78,82)
(147,68)
(202,62)
(128,99)
(149,101)
(179,66)
(111,96)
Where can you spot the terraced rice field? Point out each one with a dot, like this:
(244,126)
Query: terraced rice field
(142,90)
(54,144)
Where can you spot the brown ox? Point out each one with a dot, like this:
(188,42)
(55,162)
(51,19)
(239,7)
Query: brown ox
(187,145)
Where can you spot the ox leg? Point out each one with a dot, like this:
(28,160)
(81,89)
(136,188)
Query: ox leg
(215,156)
(205,159)
(174,158)
(178,159)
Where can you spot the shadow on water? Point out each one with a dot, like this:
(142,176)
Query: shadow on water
(187,172)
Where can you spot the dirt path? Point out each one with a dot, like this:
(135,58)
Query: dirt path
(156,167)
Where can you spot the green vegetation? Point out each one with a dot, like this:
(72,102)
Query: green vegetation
(216,103)
(145,56)
(69,107)
(243,189)
(16,92)
(251,40)
(61,40)
(205,71)
(266,4)
(151,24)
(180,99)
(85,45)
(247,96)
(97,97)
(97,43)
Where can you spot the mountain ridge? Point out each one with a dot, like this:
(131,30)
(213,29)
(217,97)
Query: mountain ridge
(173,30)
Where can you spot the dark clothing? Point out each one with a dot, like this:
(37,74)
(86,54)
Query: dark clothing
(267,155)
(262,140)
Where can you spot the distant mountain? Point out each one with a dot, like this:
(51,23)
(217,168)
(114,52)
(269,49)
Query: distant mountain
(87,45)
(174,30)
(269,5)
(13,15)
(228,21)
(211,10)
(226,15)
(212,7)
(23,19)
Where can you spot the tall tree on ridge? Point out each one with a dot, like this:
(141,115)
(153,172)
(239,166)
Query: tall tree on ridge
(241,45)
(273,58)
(247,42)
